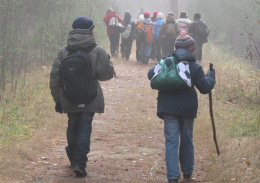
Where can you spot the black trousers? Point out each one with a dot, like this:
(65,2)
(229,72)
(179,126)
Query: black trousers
(114,43)
(126,47)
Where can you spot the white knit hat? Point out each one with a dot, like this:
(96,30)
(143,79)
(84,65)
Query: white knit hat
(141,17)
(160,15)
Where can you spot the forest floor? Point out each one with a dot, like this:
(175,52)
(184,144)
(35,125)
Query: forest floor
(127,142)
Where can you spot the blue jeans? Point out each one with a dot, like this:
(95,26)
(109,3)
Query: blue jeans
(78,137)
(176,127)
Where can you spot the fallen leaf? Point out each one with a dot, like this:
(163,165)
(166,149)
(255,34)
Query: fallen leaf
(248,162)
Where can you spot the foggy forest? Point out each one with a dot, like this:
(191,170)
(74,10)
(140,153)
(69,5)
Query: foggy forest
(127,141)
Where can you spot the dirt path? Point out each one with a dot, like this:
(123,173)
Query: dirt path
(127,142)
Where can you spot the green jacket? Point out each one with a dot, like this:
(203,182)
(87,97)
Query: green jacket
(103,70)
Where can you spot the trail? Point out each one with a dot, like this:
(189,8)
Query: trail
(127,142)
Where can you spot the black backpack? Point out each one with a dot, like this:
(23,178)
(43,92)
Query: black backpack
(77,82)
(203,32)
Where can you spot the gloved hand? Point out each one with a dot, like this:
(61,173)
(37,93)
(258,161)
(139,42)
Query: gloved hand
(58,108)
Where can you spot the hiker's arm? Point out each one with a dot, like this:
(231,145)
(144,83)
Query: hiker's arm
(177,29)
(204,83)
(105,68)
(161,31)
(55,79)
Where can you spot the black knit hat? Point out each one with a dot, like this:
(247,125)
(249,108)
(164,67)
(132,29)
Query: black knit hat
(83,23)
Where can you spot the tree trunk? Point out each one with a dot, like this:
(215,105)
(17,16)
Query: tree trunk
(175,7)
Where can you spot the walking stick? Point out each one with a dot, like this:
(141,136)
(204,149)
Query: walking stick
(211,115)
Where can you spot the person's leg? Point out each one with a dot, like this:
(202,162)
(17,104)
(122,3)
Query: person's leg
(128,48)
(172,133)
(123,48)
(111,39)
(72,134)
(83,143)
(186,145)
(159,50)
(198,52)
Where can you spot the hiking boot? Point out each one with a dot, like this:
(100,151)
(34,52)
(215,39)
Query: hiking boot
(188,180)
(80,172)
(172,181)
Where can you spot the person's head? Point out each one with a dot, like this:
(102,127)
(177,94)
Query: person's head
(83,23)
(146,14)
(183,14)
(197,16)
(128,15)
(141,17)
(185,42)
(155,14)
(171,14)
(110,10)
(160,15)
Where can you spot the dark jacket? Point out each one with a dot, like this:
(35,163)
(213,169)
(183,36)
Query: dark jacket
(102,69)
(185,102)
(194,32)
(169,19)
(128,20)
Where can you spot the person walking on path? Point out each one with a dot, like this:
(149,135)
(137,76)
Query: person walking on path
(80,39)
(114,36)
(184,22)
(149,28)
(194,31)
(157,26)
(169,31)
(140,38)
(153,48)
(178,108)
(126,44)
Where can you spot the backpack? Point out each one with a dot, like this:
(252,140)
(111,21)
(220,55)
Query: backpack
(171,75)
(126,34)
(203,32)
(170,29)
(77,82)
(115,25)
(149,32)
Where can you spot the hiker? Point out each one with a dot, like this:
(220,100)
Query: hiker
(128,37)
(149,28)
(195,32)
(157,26)
(80,115)
(140,13)
(184,22)
(114,35)
(153,48)
(168,33)
(178,108)
(140,37)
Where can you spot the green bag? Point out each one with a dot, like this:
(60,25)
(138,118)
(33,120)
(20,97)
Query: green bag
(175,76)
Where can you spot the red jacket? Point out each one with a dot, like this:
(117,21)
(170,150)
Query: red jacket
(107,19)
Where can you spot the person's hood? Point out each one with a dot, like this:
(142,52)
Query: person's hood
(184,22)
(159,21)
(127,15)
(170,19)
(80,39)
(183,55)
(108,16)
(127,18)
(148,21)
